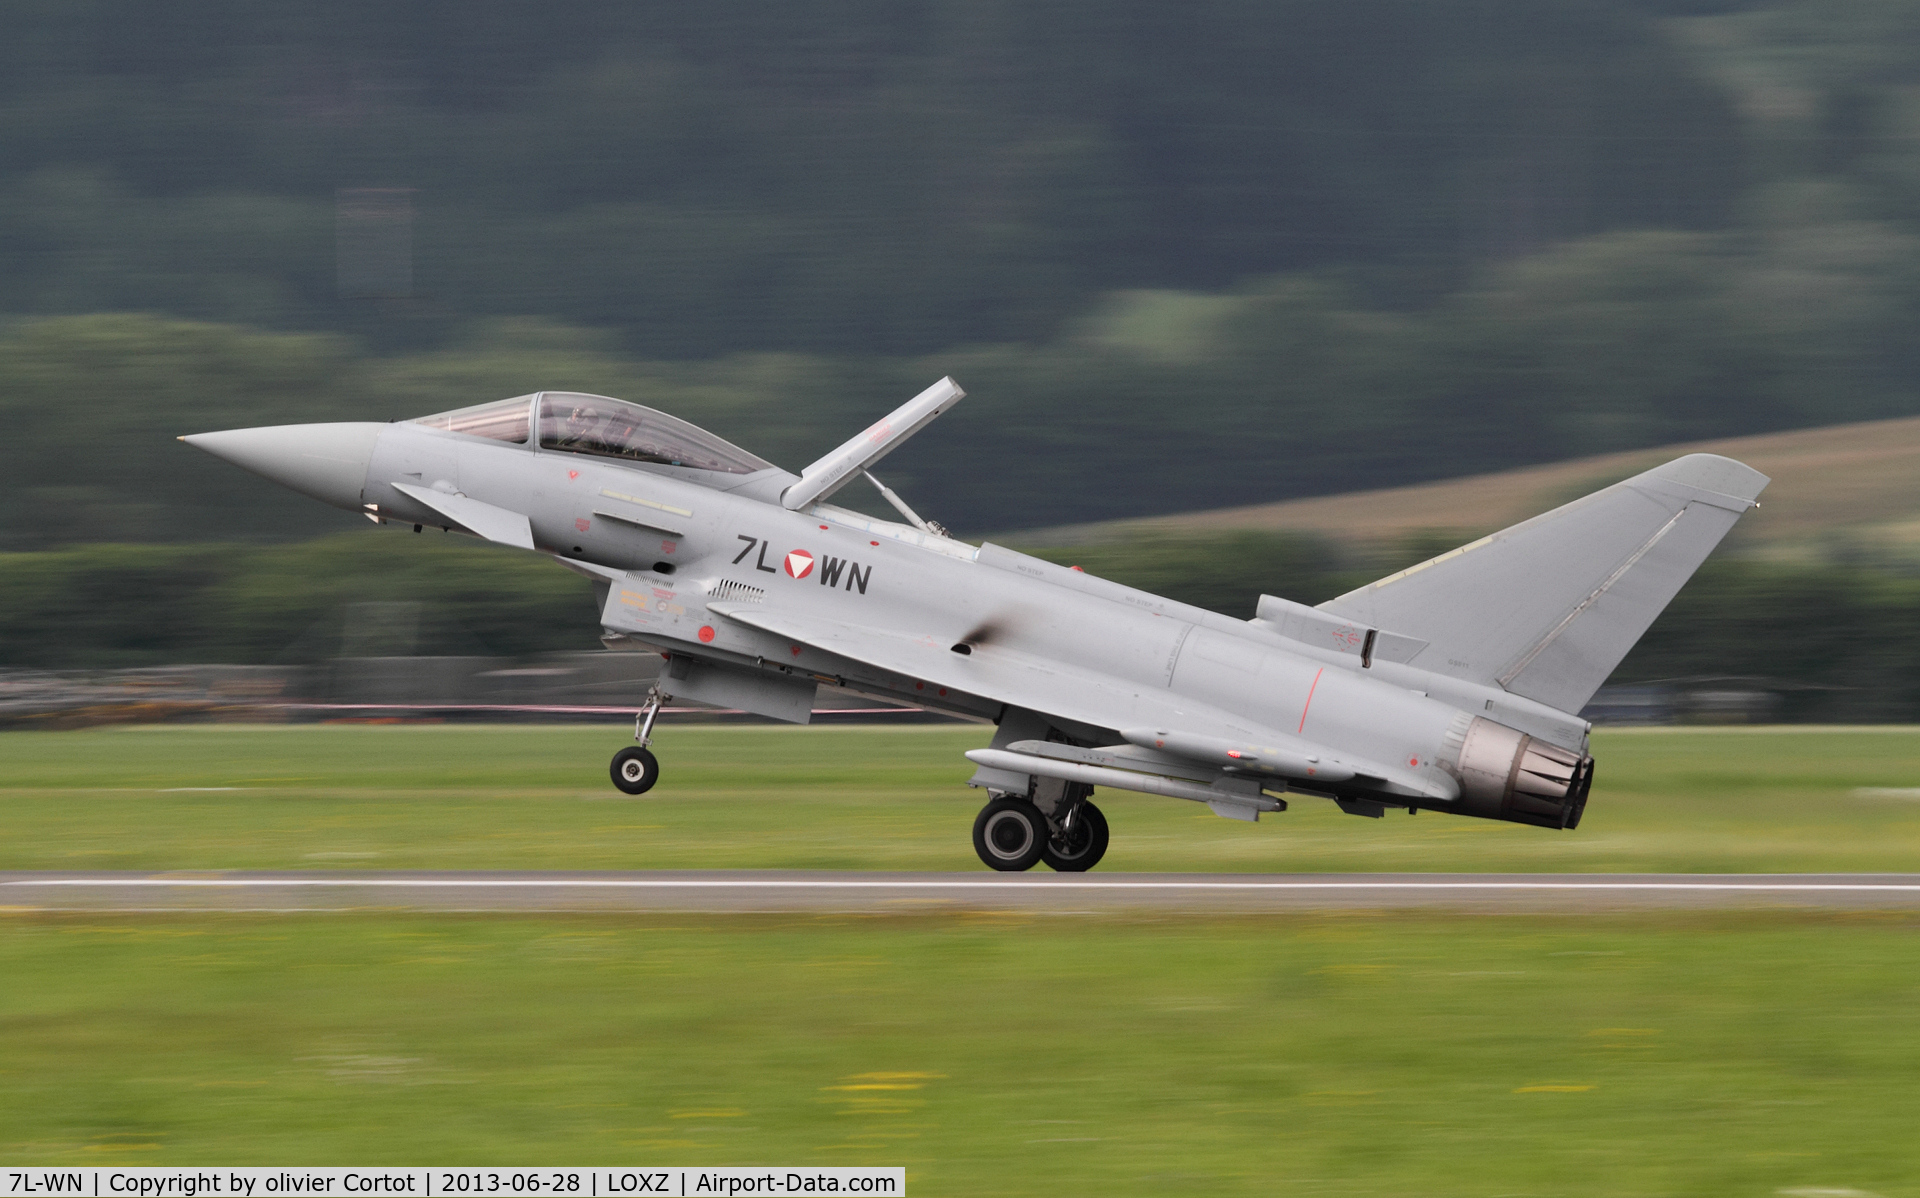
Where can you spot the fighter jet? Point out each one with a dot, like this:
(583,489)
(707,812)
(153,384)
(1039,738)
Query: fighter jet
(1451,686)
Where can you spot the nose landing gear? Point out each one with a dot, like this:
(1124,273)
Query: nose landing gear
(635,769)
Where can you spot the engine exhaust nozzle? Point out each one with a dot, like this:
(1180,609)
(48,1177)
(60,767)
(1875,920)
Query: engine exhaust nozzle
(1506,774)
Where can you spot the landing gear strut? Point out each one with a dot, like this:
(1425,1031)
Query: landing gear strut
(1079,841)
(635,769)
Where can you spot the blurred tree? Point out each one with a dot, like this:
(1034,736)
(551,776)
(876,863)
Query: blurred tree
(851,176)
(131,605)
(1437,241)
(93,403)
(1842,641)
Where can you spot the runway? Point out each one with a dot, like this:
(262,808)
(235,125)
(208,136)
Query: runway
(1039,892)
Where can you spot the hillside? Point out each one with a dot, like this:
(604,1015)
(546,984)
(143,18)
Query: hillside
(1857,481)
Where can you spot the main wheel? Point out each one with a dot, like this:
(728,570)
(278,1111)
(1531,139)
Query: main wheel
(1078,848)
(1010,834)
(635,770)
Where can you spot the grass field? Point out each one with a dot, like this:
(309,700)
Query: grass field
(235,796)
(1357,1054)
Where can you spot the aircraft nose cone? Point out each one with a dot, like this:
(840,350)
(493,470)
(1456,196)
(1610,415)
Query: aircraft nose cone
(326,461)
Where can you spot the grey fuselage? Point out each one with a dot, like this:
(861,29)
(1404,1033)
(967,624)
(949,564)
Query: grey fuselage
(697,564)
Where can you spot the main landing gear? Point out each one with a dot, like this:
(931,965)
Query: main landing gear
(1012,834)
(635,769)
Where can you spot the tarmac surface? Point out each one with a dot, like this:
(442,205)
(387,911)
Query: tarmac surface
(1036,892)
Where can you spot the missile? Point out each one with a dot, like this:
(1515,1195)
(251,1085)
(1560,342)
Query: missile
(1305,761)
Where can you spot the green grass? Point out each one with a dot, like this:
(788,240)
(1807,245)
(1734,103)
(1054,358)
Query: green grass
(1330,1055)
(873,798)
(989,1053)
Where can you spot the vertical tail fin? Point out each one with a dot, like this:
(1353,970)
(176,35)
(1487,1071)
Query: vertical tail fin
(1547,608)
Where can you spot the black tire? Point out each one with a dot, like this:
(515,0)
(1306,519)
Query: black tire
(1010,834)
(1079,848)
(635,770)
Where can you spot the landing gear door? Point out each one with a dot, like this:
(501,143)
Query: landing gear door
(776,696)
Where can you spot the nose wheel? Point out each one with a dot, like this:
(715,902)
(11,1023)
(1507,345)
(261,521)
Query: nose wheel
(635,769)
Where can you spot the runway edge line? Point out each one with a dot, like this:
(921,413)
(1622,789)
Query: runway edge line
(800,891)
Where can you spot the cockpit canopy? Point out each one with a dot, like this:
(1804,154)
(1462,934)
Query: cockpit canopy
(573,422)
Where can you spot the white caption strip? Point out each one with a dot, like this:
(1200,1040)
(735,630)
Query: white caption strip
(564,1181)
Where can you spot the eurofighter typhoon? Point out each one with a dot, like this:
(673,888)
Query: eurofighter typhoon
(1450,686)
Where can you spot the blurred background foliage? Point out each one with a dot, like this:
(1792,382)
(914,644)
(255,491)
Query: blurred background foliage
(1186,258)
(1837,640)
(1182,258)
(114,606)
(847,176)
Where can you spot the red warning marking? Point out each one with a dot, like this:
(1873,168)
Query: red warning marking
(668,546)
(873,542)
(943,690)
(823,528)
(796,650)
(706,634)
(1413,761)
(583,524)
(919,686)
(573,474)
(1309,703)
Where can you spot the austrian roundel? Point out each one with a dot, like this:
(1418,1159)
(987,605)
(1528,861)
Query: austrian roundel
(799,563)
